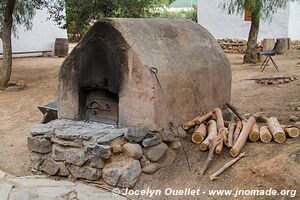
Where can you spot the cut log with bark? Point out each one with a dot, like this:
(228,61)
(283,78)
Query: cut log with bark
(238,128)
(254,134)
(292,132)
(210,155)
(215,175)
(265,135)
(186,126)
(236,112)
(276,130)
(212,132)
(231,128)
(200,119)
(241,141)
(199,134)
(220,127)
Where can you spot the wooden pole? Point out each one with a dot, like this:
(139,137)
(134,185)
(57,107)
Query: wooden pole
(238,128)
(215,175)
(200,119)
(186,126)
(210,156)
(265,135)
(254,134)
(220,127)
(276,130)
(211,133)
(231,127)
(199,134)
(241,141)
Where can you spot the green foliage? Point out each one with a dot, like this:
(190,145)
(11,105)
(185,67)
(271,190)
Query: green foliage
(265,8)
(24,11)
(181,14)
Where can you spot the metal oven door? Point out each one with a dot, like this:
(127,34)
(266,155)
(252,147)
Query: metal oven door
(102,106)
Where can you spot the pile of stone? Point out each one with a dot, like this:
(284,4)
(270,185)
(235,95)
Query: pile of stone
(94,151)
(233,45)
(295,44)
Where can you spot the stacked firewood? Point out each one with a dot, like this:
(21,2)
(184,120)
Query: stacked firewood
(212,133)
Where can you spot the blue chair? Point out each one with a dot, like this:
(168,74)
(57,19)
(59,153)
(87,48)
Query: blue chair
(269,54)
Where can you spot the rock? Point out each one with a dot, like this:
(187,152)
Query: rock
(294,118)
(102,151)
(77,143)
(97,162)
(154,153)
(42,129)
(181,133)
(50,167)
(134,151)
(116,145)
(63,170)
(111,134)
(175,145)
(297,124)
(151,168)
(151,139)
(85,172)
(168,158)
(70,155)
(167,136)
(136,135)
(122,173)
(39,144)
(37,159)
(144,161)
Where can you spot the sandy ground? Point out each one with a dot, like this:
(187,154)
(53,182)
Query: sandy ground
(267,165)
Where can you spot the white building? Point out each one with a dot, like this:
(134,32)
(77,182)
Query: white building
(285,23)
(40,38)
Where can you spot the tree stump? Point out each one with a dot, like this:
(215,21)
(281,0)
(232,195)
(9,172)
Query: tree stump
(268,44)
(284,45)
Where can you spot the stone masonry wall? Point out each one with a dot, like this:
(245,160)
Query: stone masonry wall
(95,151)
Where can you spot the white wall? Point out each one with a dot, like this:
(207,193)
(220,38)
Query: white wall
(222,25)
(40,38)
(294,22)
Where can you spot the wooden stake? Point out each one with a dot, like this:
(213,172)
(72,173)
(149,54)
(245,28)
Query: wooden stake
(199,134)
(188,125)
(238,128)
(276,130)
(292,132)
(210,157)
(241,141)
(254,134)
(211,133)
(200,119)
(231,127)
(215,175)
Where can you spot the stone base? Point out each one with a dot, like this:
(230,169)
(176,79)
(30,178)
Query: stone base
(94,151)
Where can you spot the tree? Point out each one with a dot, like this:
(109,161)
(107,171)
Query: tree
(260,9)
(12,13)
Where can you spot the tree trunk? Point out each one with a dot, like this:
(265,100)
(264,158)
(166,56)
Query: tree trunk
(251,54)
(5,68)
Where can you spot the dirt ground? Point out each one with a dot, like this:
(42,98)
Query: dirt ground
(266,166)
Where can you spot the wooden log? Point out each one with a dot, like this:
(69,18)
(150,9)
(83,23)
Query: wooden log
(284,45)
(225,136)
(265,135)
(241,141)
(215,175)
(238,128)
(220,127)
(231,127)
(199,134)
(211,133)
(276,130)
(267,44)
(186,126)
(200,119)
(254,134)
(236,112)
(292,132)
(210,156)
